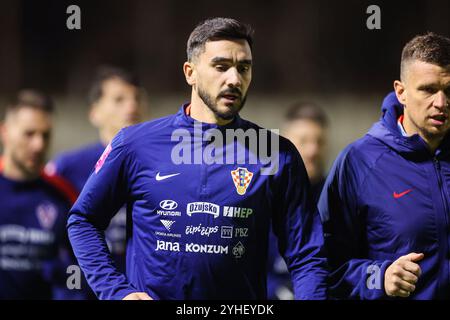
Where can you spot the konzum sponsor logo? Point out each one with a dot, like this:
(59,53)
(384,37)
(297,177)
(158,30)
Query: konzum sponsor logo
(206,248)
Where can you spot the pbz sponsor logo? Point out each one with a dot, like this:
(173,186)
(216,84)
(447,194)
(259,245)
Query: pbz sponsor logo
(206,248)
(203,207)
(167,246)
(235,212)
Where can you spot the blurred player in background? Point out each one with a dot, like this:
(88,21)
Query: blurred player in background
(385,204)
(33,206)
(115,103)
(305,126)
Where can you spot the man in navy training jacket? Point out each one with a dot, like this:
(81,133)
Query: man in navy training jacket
(385,203)
(199,225)
(305,125)
(34,249)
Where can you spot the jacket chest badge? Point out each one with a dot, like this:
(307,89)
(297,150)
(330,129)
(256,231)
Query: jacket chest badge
(241,179)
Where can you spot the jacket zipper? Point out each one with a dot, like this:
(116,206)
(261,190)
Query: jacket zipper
(437,166)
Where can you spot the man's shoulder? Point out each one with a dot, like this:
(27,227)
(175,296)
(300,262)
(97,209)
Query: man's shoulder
(148,130)
(361,155)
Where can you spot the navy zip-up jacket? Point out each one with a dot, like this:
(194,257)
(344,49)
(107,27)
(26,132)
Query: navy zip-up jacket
(196,231)
(387,196)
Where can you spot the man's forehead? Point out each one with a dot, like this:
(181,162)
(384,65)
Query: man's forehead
(425,71)
(228,49)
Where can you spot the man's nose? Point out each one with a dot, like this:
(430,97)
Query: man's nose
(38,143)
(441,100)
(234,78)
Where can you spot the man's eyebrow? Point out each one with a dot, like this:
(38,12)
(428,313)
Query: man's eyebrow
(227,60)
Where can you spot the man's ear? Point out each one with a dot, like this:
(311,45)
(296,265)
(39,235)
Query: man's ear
(2,132)
(400,91)
(94,116)
(189,73)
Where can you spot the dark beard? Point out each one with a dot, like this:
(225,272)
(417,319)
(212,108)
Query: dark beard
(212,105)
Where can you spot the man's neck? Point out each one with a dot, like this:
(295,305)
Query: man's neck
(200,112)
(410,129)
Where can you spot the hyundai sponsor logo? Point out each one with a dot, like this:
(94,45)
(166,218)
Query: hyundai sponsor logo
(168,205)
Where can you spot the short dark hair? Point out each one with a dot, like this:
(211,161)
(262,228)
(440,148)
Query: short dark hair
(429,47)
(31,98)
(217,29)
(104,73)
(306,111)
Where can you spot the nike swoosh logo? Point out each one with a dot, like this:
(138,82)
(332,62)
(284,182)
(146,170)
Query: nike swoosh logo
(399,195)
(159,177)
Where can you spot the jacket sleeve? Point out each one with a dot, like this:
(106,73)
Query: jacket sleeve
(102,196)
(299,232)
(353,275)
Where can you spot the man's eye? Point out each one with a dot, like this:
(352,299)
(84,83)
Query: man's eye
(447,92)
(221,68)
(243,69)
(118,99)
(429,90)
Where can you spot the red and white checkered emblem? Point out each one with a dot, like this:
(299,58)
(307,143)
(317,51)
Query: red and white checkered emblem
(241,178)
(46,214)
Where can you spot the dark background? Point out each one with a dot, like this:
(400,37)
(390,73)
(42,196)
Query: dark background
(310,46)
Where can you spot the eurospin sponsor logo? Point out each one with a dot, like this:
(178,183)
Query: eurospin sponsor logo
(206,248)
(236,212)
(203,207)
(204,231)
(167,207)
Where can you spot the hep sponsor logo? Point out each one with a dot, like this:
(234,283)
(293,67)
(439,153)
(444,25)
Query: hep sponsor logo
(203,207)
(204,231)
(168,207)
(167,246)
(235,212)
(206,248)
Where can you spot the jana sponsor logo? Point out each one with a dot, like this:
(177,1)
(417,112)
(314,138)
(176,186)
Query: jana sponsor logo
(204,231)
(235,212)
(203,207)
(206,248)
(167,246)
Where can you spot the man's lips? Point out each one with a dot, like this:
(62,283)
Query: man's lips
(439,119)
(230,97)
